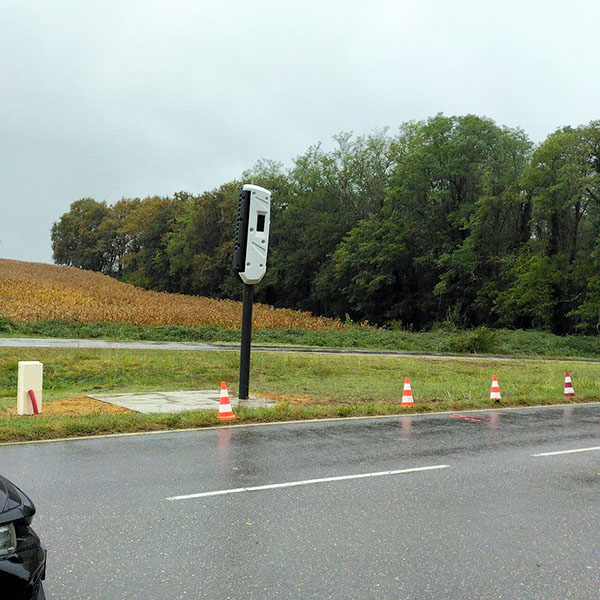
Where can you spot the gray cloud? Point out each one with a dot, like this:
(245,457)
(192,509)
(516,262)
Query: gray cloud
(111,99)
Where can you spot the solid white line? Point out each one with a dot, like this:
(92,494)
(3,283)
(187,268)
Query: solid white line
(567,451)
(300,422)
(269,424)
(273,486)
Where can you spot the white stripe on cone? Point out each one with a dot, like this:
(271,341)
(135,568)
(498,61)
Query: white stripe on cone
(407,397)
(495,391)
(225,410)
(569,391)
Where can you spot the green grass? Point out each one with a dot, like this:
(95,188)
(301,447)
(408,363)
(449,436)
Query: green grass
(443,340)
(343,385)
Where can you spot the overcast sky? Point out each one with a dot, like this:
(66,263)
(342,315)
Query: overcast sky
(110,99)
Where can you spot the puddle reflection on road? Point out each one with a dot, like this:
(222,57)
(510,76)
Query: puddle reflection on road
(406,428)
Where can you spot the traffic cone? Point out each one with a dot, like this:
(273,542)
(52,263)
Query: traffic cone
(495,391)
(225,412)
(407,397)
(569,391)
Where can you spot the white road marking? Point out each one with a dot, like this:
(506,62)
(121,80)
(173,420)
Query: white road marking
(273,486)
(567,451)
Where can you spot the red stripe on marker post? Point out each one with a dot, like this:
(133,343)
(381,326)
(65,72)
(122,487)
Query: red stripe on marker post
(33,402)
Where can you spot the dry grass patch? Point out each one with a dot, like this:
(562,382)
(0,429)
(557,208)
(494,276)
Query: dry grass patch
(74,407)
(295,399)
(311,400)
(32,292)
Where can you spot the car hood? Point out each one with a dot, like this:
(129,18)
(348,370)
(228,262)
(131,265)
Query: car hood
(14,504)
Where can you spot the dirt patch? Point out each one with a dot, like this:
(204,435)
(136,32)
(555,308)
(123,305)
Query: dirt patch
(306,400)
(294,399)
(302,399)
(74,407)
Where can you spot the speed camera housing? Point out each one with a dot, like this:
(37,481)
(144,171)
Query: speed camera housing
(252,233)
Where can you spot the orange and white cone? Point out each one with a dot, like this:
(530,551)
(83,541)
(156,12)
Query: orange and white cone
(225,412)
(569,391)
(495,391)
(407,397)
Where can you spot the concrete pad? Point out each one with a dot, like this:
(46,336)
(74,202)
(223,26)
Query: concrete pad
(173,402)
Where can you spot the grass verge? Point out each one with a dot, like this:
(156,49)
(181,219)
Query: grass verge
(305,386)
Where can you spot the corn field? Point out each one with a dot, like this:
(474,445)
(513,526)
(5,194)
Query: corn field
(39,292)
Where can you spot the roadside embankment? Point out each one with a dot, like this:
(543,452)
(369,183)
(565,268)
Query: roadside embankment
(303,386)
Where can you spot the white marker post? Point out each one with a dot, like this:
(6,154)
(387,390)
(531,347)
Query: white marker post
(29,383)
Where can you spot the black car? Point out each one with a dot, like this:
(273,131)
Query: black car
(22,557)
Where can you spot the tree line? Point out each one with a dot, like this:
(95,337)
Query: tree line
(452,219)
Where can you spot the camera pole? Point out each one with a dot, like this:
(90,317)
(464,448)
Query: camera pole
(250,262)
(246,341)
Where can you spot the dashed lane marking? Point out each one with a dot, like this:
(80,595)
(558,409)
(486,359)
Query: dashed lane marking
(568,451)
(288,484)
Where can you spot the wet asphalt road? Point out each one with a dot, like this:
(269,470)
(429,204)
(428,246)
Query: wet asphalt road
(214,347)
(497,522)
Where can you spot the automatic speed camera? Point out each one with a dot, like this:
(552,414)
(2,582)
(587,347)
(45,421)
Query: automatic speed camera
(252,233)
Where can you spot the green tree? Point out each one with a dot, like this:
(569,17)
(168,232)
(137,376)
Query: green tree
(563,181)
(453,209)
(78,239)
(587,314)
(495,220)
(200,247)
(147,229)
(116,238)
(326,194)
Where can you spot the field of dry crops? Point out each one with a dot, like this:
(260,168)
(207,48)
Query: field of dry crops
(39,292)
